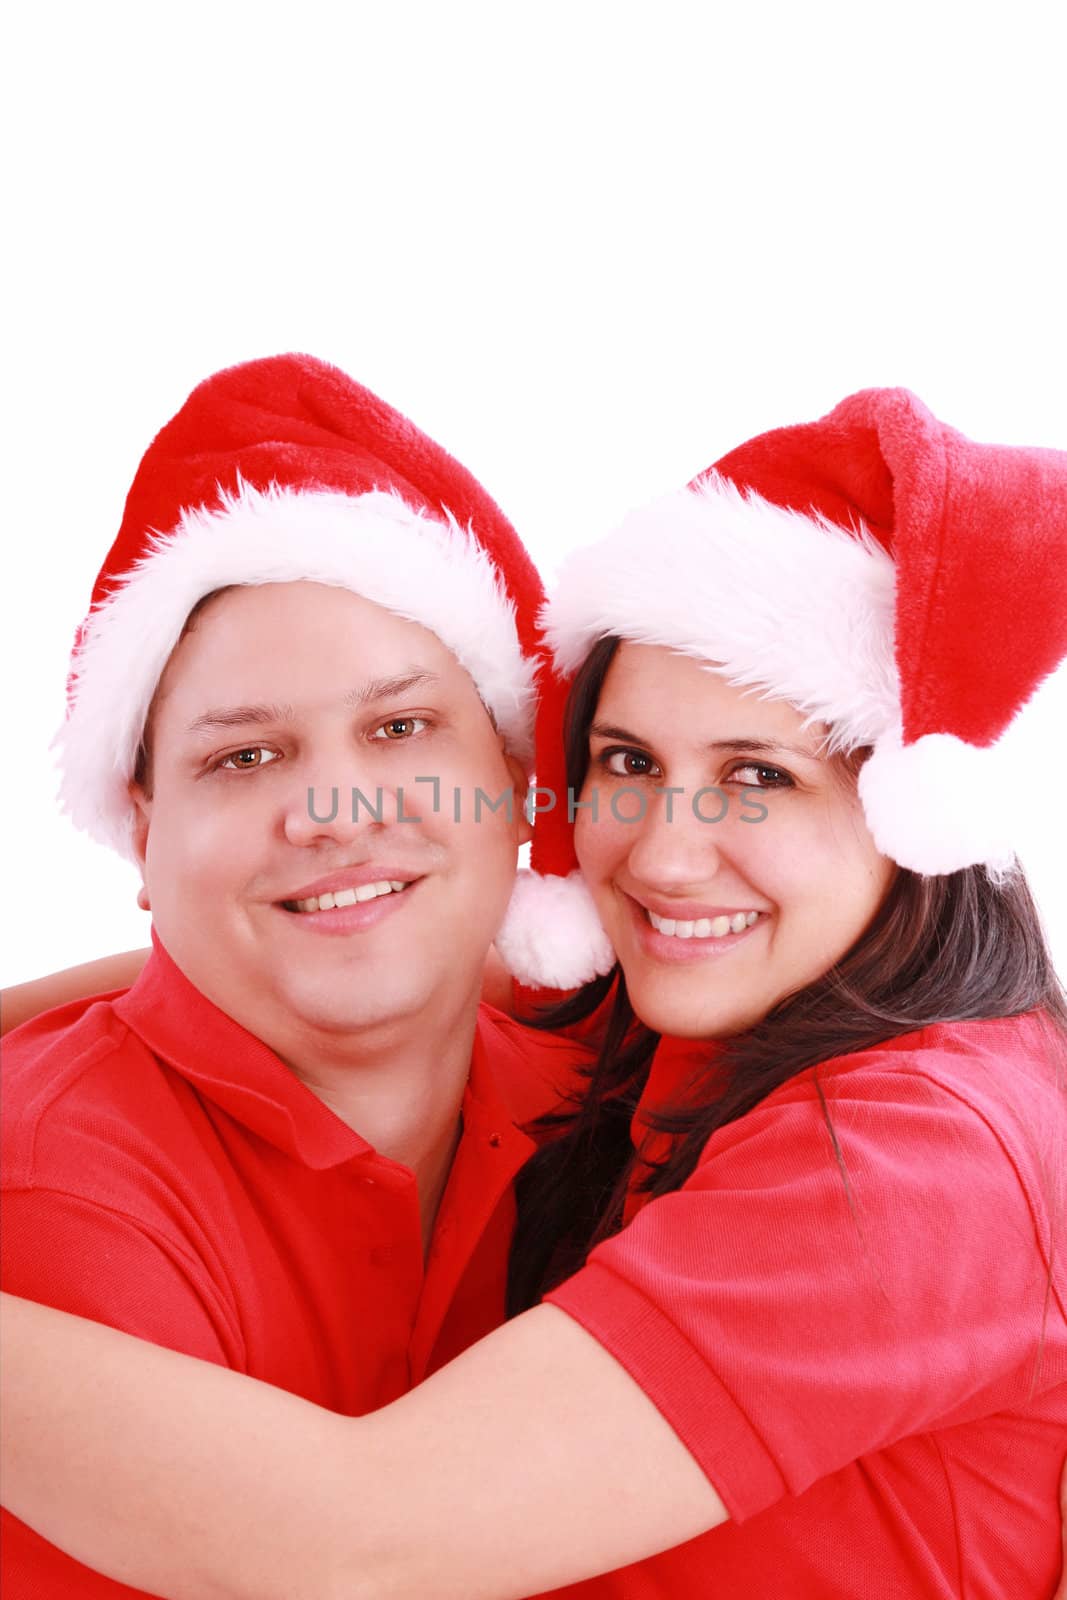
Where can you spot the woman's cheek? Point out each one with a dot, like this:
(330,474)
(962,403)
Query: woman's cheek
(602,843)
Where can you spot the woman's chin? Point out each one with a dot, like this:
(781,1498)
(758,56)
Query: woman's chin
(685,1009)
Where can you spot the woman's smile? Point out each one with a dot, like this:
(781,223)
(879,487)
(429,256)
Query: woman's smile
(778,893)
(687,932)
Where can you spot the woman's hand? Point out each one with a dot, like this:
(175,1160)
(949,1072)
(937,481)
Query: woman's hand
(497,987)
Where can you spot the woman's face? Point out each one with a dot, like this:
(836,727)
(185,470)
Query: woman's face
(729,860)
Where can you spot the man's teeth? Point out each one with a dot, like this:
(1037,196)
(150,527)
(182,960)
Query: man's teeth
(703,927)
(349,897)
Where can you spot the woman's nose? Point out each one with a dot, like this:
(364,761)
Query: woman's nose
(674,845)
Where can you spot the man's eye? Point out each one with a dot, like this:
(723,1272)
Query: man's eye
(766,777)
(628,763)
(400,728)
(256,755)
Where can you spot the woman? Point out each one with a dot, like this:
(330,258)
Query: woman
(818,1344)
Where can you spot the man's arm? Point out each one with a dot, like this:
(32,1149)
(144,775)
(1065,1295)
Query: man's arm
(23,1001)
(531,1461)
(67,1251)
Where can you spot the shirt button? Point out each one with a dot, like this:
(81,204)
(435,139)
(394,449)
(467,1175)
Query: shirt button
(495,1141)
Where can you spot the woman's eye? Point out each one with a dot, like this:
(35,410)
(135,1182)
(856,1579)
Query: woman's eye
(256,755)
(400,728)
(629,764)
(765,777)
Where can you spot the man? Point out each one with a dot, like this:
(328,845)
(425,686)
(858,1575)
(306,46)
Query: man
(302,703)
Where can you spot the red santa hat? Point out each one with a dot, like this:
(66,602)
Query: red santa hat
(883,574)
(271,472)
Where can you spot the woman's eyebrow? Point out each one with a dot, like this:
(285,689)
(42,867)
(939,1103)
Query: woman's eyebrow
(743,742)
(607,730)
(761,747)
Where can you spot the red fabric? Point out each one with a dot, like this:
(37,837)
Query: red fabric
(978,532)
(552,851)
(165,1173)
(877,1389)
(300,423)
(975,531)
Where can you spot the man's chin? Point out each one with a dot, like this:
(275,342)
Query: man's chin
(358,1007)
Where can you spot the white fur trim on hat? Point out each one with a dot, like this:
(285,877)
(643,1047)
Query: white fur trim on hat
(940,804)
(431,572)
(775,600)
(935,806)
(552,937)
(789,605)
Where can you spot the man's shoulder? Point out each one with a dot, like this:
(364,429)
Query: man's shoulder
(69,1025)
(46,1059)
(77,1081)
(105,1212)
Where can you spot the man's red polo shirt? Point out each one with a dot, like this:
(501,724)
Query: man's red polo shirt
(164,1172)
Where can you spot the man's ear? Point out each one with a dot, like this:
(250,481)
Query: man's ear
(142,812)
(520,783)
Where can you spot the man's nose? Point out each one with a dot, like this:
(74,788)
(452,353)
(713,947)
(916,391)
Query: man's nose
(335,801)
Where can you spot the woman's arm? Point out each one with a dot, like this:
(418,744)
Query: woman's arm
(533,1460)
(22,1001)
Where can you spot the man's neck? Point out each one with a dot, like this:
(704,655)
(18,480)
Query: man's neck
(401,1088)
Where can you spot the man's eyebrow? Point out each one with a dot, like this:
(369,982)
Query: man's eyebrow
(743,743)
(239,717)
(383,688)
(221,717)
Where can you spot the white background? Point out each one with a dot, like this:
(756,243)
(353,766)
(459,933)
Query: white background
(586,246)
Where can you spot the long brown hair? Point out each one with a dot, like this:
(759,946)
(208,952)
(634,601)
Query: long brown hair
(947,949)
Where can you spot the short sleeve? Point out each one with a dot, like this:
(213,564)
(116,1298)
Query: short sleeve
(805,1300)
(80,1256)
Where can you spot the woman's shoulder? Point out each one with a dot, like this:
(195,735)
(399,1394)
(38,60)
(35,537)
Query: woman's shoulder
(1008,1071)
(971,1110)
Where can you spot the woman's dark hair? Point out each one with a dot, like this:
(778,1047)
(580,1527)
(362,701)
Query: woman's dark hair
(947,949)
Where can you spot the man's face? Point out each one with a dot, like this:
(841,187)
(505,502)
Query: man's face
(279,689)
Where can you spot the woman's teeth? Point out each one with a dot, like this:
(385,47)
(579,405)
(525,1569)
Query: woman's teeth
(348,897)
(703,927)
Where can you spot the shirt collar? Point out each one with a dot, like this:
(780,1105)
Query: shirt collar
(242,1076)
(498,1062)
(232,1068)
(682,1072)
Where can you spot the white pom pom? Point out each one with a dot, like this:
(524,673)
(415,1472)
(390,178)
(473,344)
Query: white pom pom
(551,937)
(938,805)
